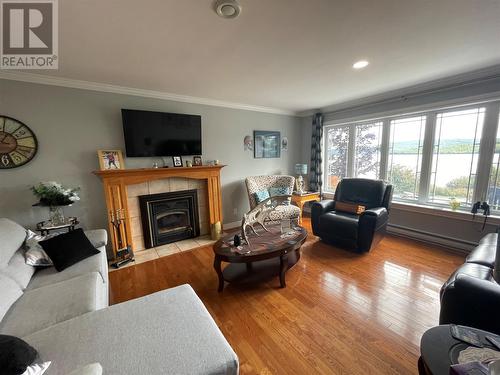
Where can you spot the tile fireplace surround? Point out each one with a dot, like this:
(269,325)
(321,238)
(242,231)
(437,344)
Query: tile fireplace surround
(164,186)
(123,187)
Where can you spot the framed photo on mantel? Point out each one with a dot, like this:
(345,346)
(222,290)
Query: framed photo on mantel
(177,161)
(266,144)
(110,159)
(197,161)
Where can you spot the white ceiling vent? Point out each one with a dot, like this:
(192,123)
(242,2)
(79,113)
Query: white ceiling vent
(227,8)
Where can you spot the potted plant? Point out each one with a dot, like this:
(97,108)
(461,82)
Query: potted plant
(55,196)
(454,204)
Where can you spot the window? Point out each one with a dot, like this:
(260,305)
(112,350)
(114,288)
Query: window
(367,150)
(405,156)
(431,157)
(494,180)
(455,155)
(337,140)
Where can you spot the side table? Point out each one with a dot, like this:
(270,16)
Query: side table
(45,227)
(300,199)
(439,350)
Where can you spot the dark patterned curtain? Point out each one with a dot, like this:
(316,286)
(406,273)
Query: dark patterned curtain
(316,174)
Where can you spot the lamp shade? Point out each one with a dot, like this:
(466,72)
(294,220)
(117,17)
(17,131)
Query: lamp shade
(301,169)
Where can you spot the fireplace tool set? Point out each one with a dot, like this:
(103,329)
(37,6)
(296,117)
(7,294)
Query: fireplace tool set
(124,253)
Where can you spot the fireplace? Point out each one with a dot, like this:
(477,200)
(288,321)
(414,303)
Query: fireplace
(169,217)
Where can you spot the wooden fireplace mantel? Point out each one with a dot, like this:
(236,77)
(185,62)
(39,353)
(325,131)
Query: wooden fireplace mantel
(115,192)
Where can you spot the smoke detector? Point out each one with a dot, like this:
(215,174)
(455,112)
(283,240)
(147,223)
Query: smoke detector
(227,8)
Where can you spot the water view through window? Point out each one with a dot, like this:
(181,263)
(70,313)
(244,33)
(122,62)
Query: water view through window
(431,157)
(405,156)
(455,155)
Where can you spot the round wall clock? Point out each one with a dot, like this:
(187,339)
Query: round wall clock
(18,144)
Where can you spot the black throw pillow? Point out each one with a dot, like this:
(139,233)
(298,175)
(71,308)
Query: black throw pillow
(15,355)
(68,249)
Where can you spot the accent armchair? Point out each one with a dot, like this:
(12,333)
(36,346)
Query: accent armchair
(348,230)
(262,187)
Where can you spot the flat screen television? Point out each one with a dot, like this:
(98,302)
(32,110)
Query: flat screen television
(161,134)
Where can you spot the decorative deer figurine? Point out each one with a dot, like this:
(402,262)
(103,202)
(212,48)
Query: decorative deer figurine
(259,214)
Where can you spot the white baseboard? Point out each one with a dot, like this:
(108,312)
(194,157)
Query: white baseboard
(462,246)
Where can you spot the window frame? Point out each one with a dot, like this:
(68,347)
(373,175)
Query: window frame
(487,146)
(433,173)
(389,138)
(355,146)
(351,150)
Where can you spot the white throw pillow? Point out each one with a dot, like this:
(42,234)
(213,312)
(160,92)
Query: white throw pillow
(37,369)
(9,293)
(35,255)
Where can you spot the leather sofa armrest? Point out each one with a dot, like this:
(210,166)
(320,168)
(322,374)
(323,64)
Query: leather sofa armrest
(374,218)
(318,209)
(323,206)
(472,302)
(378,212)
(370,221)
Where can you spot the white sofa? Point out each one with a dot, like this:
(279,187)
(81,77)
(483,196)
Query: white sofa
(66,318)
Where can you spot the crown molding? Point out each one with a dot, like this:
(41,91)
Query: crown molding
(446,83)
(103,87)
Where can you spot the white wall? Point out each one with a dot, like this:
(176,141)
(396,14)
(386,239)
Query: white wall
(72,124)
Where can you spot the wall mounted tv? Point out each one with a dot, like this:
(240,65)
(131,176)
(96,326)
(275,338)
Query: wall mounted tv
(161,134)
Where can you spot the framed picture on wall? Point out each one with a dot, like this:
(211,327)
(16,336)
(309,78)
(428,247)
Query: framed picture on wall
(266,144)
(110,159)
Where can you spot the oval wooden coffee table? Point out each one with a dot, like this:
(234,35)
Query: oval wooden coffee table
(269,254)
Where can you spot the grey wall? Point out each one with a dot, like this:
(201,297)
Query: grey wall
(72,124)
(458,229)
(454,229)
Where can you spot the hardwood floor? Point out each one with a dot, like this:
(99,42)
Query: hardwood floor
(341,313)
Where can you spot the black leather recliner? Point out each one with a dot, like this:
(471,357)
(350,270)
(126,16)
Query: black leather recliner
(351,231)
(471,296)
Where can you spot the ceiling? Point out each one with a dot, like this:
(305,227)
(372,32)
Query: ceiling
(293,55)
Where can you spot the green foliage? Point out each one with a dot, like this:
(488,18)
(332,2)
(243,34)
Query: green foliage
(366,150)
(403,179)
(456,188)
(338,144)
(447,146)
(54,194)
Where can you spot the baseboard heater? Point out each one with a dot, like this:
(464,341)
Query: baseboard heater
(461,246)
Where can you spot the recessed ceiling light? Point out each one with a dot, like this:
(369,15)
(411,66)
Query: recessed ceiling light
(360,64)
(227,8)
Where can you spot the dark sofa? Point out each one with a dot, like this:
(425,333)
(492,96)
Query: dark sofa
(355,232)
(471,296)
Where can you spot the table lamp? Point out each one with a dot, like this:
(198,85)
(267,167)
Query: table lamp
(300,169)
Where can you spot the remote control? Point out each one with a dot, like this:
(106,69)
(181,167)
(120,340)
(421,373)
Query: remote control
(466,335)
(494,340)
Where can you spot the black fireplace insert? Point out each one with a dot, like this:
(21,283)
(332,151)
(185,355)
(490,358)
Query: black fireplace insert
(169,217)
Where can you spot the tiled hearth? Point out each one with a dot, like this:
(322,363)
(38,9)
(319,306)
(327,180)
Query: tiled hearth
(169,249)
(164,186)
